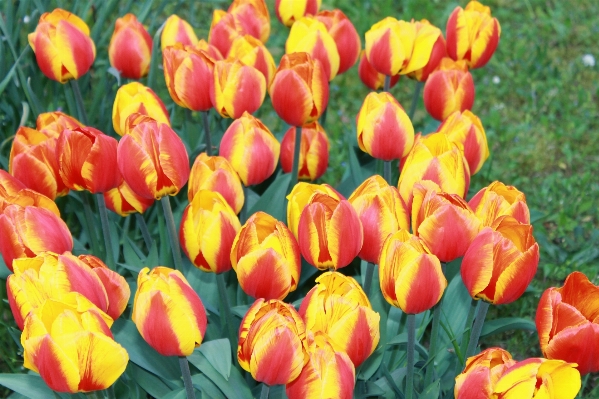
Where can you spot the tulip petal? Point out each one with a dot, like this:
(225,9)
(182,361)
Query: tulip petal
(58,371)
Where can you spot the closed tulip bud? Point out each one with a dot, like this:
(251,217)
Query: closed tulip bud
(123,201)
(53,123)
(225,28)
(300,90)
(298,199)
(443,221)
(371,77)
(136,98)
(381,211)
(384,129)
(208,229)
(266,257)
(450,88)
(253,18)
(438,52)
(466,130)
(338,307)
(215,173)
(28,231)
(71,347)
(501,261)
(13,191)
(236,88)
(272,342)
(130,48)
(497,200)
(289,11)
(177,30)
(567,321)
(153,160)
(310,35)
(329,373)
(168,313)
(472,34)
(434,157)
(330,233)
(188,73)
(62,46)
(251,51)
(209,49)
(345,36)
(314,151)
(481,374)
(251,149)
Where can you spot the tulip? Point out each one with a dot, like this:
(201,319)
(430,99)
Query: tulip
(272,342)
(370,77)
(382,213)
(481,374)
(345,36)
(466,130)
(236,88)
(438,52)
(329,373)
(472,34)
(251,51)
(497,200)
(443,221)
(266,257)
(28,231)
(310,35)
(53,123)
(314,151)
(13,191)
(123,201)
(71,347)
(450,88)
(384,129)
(62,46)
(338,307)
(188,73)
(209,49)
(253,18)
(168,313)
(299,91)
(153,160)
(434,157)
(225,28)
(251,149)
(136,98)
(289,11)
(130,48)
(501,261)
(177,30)
(568,323)
(298,199)
(215,173)
(208,229)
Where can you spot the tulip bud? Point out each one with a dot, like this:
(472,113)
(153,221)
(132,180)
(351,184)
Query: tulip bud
(252,52)
(177,30)
(168,313)
(28,231)
(209,49)
(450,88)
(215,173)
(236,88)
(272,342)
(466,130)
(481,373)
(123,201)
(370,77)
(384,129)
(338,307)
(497,200)
(253,18)
(53,123)
(225,28)
(345,36)
(299,91)
(136,98)
(62,46)
(251,149)
(298,199)
(208,229)
(438,52)
(289,11)
(130,48)
(314,151)
(381,211)
(472,34)
(13,191)
(567,323)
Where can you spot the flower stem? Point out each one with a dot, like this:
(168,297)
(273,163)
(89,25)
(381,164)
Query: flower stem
(226,309)
(387,84)
(468,329)
(184,364)
(243,214)
(477,328)
(110,259)
(432,350)
(91,226)
(387,172)
(368,277)
(79,101)
(207,133)
(415,98)
(296,156)
(265,391)
(141,223)
(411,349)
(172,232)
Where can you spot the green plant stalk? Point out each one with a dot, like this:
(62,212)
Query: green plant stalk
(387,172)
(89,221)
(172,232)
(387,84)
(415,98)
(145,233)
(110,259)
(432,350)
(265,391)
(411,349)
(368,277)
(243,214)
(79,101)
(226,309)
(184,364)
(468,329)
(207,133)
(477,328)
(296,156)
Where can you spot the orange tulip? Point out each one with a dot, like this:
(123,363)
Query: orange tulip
(13,191)
(314,151)
(136,98)
(62,46)
(266,257)
(299,91)
(481,374)
(289,11)
(371,77)
(253,18)
(123,201)
(236,88)
(130,48)
(53,123)
(177,30)
(345,36)
(450,88)
(300,196)
(251,51)
(438,52)
(497,200)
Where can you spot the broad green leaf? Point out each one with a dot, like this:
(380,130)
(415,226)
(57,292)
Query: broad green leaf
(273,199)
(177,394)
(29,385)
(218,353)
(371,390)
(431,392)
(234,388)
(207,387)
(371,365)
(507,324)
(4,272)
(148,381)
(397,377)
(12,71)
(240,311)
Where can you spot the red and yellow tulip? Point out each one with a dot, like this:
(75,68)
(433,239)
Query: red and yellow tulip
(225,28)
(130,48)
(482,371)
(251,51)
(53,123)
(371,77)
(13,191)
(438,52)
(289,11)
(253,17)
(345,36)
(209,49)
(497,200)
(177,30)
(298,199)
(136,98)
(236,88)
(123,201)
(314,151)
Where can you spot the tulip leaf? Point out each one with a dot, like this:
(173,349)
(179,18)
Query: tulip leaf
(395,377)
(454,312)
(355,169)
(148,382)
(370,390)
(371,365)
(235,387)
(12,71)
(273,199)
(218,353)
(182,394)
(207,387)
(4,272)
(431,392)
(29,385)
(507,324)
(240,310)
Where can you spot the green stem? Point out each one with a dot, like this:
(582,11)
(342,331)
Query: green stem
(79,100)
(387,172)
(468,329)
(172,232)
(243,214)
(387,84)
(141,223)
(184,364)
(415,98)
(368,277)
(411,350)
(432,350)
(91,225)
(226,309)
(207,133)
(110,259)
(265,391)
(477,328)
(296,156)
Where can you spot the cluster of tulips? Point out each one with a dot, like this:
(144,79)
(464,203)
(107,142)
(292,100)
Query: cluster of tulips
(65,304)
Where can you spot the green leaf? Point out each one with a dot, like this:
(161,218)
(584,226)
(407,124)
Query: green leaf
(507,324)
(218,353)
(431,392)
(354,167)
(207,387)
(177,394)
(12,71)
(29,385)
(372,364)
(401,340)
(4,272)
(148,381)
(273,199)
(371,390)
(235,387)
